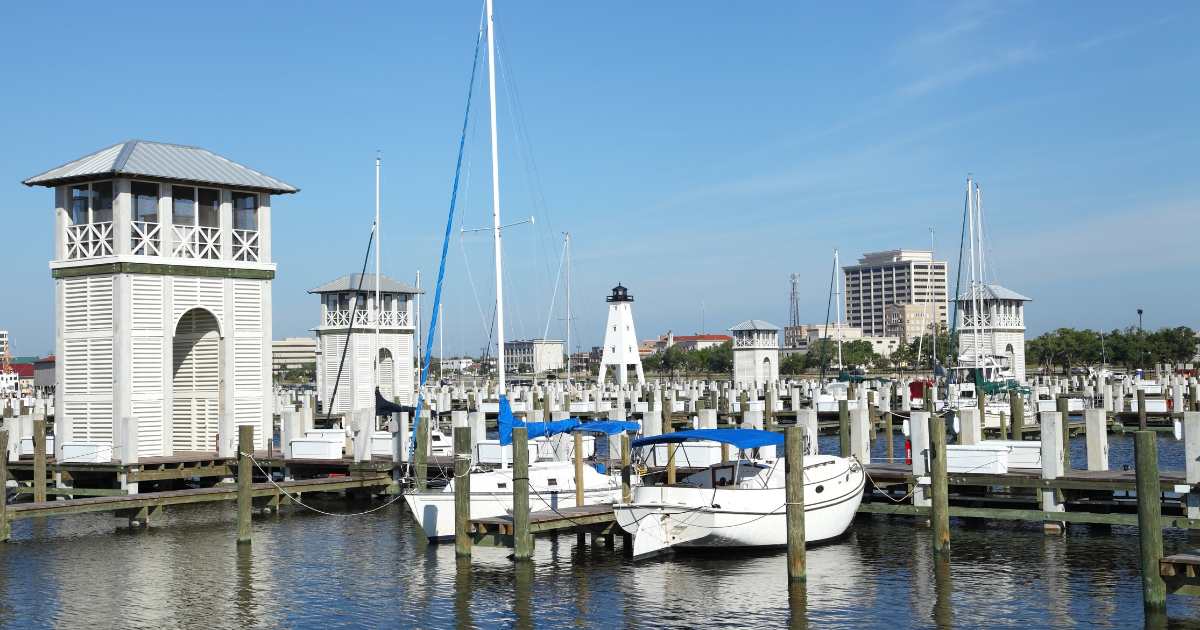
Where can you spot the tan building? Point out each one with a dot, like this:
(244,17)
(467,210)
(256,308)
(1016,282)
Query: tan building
(907,321)
(898,276)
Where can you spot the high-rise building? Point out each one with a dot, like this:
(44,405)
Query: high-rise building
(898,276)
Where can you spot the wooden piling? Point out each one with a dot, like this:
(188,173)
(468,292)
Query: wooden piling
(421,452)
(4,526)
(244,477)
(939,486)
(927,394)
(626,473)
(844,428)
(39,461)
(1016,407)
(462,491)
(578,457)
(1149,499)
(1063,407)
(522,538)
(793,445)
(1141,409)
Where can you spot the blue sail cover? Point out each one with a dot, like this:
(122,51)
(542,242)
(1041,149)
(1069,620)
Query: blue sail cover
(607,427)
(506,421)
(741,438)
(554,427)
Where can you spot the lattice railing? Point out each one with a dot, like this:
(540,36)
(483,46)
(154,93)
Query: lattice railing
(245,245)
(185,241)
(337,318)
(363,318)
(89,240)
(145,239)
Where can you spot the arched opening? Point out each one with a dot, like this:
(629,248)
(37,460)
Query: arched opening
(766,376)
(196,381)
(386,372)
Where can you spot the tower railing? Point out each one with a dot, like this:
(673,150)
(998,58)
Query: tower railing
(89,240)
(364,318)
(145,238)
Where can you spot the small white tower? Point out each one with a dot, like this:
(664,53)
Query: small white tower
(342,303)
(999,333)
(162,272)
(620,339)
(755,352)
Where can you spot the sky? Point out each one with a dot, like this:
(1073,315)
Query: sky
(699,153)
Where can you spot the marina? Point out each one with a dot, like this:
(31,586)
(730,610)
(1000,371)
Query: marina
(243,412)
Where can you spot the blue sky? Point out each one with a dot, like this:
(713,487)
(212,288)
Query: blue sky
(697,152)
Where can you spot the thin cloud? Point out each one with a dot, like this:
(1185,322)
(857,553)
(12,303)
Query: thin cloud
(954,76)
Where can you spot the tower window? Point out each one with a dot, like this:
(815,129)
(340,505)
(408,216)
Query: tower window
(245,211)
(145,202)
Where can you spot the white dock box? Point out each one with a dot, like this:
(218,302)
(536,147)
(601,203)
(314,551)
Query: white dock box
(84,452)
(316,448)
(381,443)
(27,446)
(1022,454)
(977,458)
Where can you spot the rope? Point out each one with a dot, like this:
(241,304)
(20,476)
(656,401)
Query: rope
(295,499)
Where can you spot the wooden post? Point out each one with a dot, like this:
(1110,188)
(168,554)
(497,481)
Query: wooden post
(626,489)
(844,428)
(462,490)
(39,461)
(939,486)
(1141,409)
(1063,407)
(724,453)
(667,428)
(578,456)
(927,394)
(1003,424)
(421,453)
(794,482)
(4,526)
(522,539)
(981,399)
(1016,406)
(1097,439)
(1149,498)
(244,475)
(891,439)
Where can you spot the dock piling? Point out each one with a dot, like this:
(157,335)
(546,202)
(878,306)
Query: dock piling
(522,538)
(891,440)
(1062,404)
(4,526)
(39,461)
(1052,466)
(1016,408)
(244,477)
(577,454)
(939,485)
(1097,439)
(794,482)
(462,488)
(626,489)
(1191,456)
(1149,499)
(844,428)
(421,454)
(1141,408)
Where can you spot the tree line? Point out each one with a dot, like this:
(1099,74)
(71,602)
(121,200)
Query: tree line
(1130,348)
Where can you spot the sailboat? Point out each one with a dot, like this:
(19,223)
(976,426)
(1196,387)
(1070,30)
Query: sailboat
(551,483)
(834,391)
(742,503)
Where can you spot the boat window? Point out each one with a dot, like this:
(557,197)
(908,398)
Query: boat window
(501,484)
(722,476)
(552,482)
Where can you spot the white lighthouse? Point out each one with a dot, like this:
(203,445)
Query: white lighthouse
(162,269)
(755,352)
(620,338)
(379,339)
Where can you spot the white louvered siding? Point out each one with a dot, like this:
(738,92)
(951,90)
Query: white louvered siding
(332,355)
(208,293)
(249,411)
(247,367)
(247,305)
(404,363)
(146,302)
(364,365)
(146,393)
(196,382)
(88,357)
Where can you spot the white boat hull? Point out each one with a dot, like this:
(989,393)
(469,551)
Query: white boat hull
(690,517)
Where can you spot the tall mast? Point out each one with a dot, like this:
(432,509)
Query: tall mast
(491,46)
(567,238)
(933,309)
(838,295)
(378,254)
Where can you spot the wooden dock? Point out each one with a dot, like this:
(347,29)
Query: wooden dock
(1181,573)
(498,530)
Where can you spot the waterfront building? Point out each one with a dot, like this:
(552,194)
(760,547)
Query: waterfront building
(898,276)
(908,321)
(349,322)
(991,329)
(293,353)
(162,272)
(458,364)
(535,356)
(43,373)
(684,342)
(755,352)
(620,349)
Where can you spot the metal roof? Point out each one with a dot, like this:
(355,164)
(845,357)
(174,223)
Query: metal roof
(350,282)
(158,160)
(754,324)
(995,292)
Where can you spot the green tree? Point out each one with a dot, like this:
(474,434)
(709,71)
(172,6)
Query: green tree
(792,364)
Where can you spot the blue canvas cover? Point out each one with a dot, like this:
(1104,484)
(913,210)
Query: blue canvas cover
(741,438)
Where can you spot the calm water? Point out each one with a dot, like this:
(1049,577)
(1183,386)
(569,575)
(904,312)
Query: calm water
(306,570)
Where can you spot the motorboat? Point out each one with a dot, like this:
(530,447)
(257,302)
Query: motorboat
(741,503)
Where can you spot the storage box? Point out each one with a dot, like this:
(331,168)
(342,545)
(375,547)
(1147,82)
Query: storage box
(490,452)
(986,458)
(316,448)
(27,446)
(87,452)
(381,443)
(1022,454)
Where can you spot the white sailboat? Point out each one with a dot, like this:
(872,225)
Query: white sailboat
(741,503)
(551,483)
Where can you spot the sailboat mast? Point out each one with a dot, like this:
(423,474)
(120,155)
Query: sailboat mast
(491,46)
(567,238)
(838,326)
(932,309)
(378,265)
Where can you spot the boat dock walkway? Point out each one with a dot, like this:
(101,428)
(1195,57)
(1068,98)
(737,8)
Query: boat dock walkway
(595,519)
